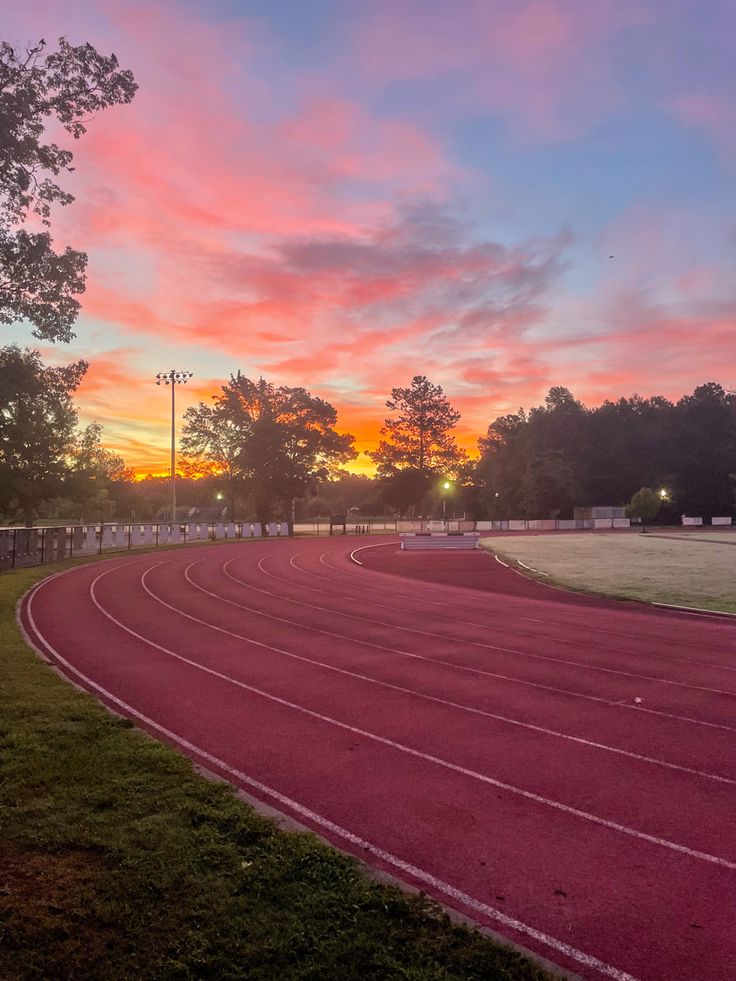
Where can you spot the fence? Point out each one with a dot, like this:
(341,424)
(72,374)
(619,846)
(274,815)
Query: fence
(34,546)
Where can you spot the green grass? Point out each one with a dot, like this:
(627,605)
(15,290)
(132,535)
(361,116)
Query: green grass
(118,861)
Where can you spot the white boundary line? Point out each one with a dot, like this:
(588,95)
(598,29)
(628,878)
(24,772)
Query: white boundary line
(500,561)
(538,572)
(695,610)
(363,547)
(478,907)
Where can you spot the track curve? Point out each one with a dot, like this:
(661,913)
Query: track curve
(560,768)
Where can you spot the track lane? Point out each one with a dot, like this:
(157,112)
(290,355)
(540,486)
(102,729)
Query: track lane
(230,722)
(473,685)
(530,663)
(644,622)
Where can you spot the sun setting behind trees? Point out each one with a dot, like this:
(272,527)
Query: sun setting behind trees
(344,215)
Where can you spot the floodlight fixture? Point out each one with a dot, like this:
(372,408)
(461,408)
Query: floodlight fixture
(173,377)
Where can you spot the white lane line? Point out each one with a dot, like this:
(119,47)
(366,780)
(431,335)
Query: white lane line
(406,691)
(589,611)
(419,754)
(490,647)
(619,703)
(485,626)
(364,547)
(500,561)
(478,907)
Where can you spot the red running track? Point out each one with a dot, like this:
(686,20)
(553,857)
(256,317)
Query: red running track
(560,769)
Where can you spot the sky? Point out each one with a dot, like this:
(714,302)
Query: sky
(341,194)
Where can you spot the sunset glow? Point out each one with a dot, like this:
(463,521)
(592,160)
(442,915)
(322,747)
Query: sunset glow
(502,196)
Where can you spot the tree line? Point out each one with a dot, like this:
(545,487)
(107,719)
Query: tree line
(258,451)
(268,450)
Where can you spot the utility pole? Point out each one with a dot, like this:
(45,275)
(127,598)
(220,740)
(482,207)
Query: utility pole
(173,378)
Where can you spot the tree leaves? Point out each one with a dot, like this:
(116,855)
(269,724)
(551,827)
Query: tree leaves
(69,86)
(419,433)
(272,443)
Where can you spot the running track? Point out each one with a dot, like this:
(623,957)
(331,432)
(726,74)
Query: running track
(558,768)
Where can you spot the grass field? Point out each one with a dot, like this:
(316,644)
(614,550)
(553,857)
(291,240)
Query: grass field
(690,569)
(118,861)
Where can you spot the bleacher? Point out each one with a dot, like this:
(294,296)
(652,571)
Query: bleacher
(414,541)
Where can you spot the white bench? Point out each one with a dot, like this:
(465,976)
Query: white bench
(438,540)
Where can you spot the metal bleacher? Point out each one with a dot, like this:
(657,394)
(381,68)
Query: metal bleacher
(415,541)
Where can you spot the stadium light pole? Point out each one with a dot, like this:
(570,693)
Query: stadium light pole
(173,378)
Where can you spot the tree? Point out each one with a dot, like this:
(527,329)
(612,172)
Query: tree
(405,489)
(214,435)
(66,86)
(98,480)
(704,432)
(279,441)
(645,505)
(418,438)
(38,424)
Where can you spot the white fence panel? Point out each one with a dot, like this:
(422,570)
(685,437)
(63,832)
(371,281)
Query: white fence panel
(691,522)
(622,522)
(277,528)
(721,521)
(515,525)
(251,530)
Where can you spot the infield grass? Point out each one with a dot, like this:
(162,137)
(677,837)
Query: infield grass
(118,861)
(691,569)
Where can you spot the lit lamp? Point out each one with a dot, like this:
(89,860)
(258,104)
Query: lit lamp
(446,486)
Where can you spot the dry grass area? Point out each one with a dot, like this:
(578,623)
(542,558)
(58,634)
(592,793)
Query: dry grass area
(691,569)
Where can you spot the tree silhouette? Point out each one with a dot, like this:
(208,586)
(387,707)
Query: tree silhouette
(67,87)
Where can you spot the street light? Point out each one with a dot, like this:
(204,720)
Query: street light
(173,378)
(446,486)
(663,494)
